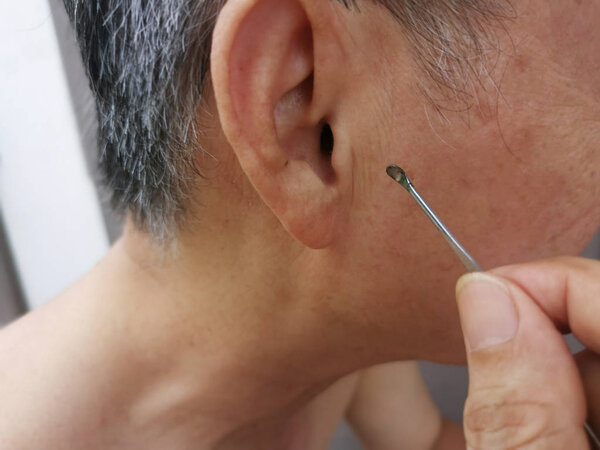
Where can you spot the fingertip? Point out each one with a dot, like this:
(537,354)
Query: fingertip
(473,277)
(487,311)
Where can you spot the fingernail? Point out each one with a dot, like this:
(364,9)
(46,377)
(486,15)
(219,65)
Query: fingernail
(487,311)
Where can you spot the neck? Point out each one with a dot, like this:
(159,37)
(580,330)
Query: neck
(238,340)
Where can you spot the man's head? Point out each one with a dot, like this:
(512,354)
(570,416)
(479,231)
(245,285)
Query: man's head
(492,110)
(148,64)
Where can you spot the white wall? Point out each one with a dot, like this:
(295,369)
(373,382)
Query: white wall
(49,204)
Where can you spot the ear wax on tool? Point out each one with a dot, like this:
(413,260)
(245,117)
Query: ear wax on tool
(467,260)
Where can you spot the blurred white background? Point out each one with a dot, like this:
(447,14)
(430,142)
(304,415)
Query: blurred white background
(52,218)
(54,225)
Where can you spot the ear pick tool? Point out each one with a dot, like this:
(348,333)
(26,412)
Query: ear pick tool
(594,441)
(467,260)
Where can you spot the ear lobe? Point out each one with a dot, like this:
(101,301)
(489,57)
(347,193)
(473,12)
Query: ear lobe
(263,75)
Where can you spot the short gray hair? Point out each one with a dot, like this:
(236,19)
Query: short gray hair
(147,62)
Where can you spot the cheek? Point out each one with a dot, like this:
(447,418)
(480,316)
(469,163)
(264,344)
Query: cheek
(526,216)
(504,202)
(512,204)
(575,48)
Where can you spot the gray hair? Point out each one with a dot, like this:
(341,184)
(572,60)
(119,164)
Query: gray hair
(147,62)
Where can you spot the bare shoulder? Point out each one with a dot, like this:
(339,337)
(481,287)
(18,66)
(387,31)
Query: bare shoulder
(26,351)
(46,367)
(325,412)
(391,408)
(387,405)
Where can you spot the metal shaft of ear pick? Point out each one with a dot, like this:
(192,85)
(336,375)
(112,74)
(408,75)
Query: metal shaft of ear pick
(467,260)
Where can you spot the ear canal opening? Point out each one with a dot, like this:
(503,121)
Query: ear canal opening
(327,141)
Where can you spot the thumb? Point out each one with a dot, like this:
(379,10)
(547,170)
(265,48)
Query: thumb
(524,387)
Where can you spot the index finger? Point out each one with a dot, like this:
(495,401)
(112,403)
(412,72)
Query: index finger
(567,290)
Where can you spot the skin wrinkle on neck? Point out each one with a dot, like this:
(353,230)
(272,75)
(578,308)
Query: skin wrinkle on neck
(247,353)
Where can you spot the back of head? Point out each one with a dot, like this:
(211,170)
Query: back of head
(146,62)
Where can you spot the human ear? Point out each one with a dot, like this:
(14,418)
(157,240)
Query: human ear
(275,98)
